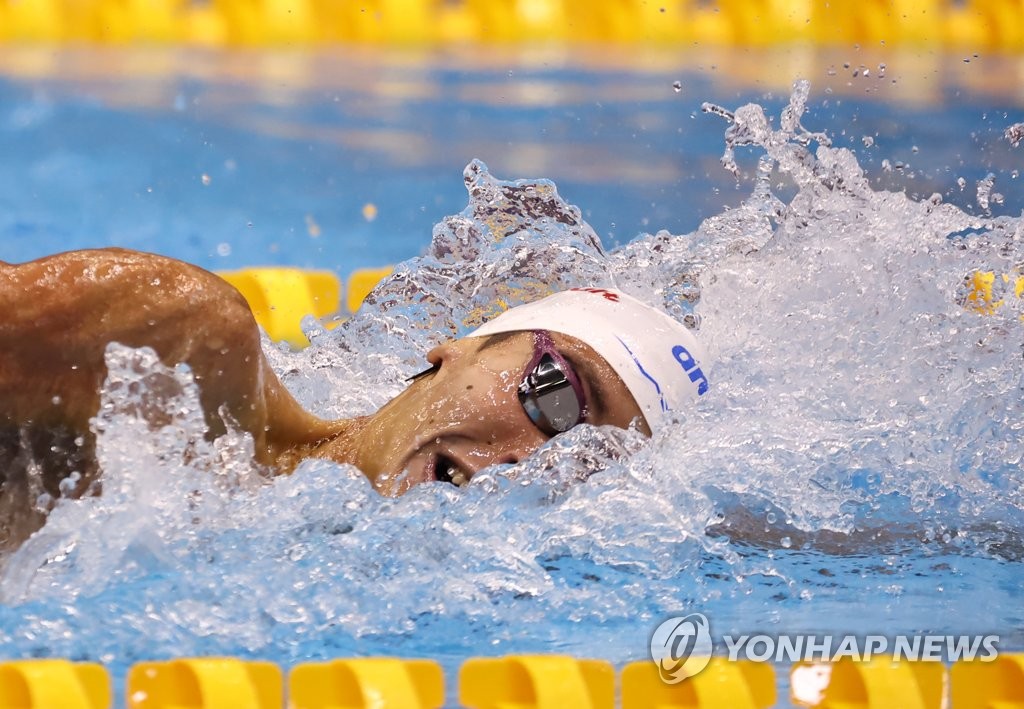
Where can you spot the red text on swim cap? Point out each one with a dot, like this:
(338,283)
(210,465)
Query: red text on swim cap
(606,294)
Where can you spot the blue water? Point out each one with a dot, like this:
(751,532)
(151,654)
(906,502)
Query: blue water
(110,147)
(856,467)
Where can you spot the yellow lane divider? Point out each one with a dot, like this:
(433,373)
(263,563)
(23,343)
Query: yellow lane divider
(738,685)
(28,684)
(366,682)
(536,681)
(205,682)
(280,297)
(878,684)
(361,282)
(516,682)
(990,25)
(992,685)
(987,291)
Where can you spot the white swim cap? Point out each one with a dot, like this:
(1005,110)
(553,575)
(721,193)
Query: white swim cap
(658,359)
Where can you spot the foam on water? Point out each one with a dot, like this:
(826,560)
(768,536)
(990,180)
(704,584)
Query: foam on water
(856,464)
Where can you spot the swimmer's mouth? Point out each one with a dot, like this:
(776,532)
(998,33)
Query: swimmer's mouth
(446,470)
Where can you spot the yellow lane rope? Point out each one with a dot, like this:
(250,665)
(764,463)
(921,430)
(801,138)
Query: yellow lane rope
(976,25)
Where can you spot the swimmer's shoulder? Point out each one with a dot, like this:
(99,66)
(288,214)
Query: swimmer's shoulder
(116,268)
(115,292)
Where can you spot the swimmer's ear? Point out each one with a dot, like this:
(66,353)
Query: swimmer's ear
(433,368)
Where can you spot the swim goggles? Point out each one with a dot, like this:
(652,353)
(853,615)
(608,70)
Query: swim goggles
(551,393)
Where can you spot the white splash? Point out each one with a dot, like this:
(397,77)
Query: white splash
(856,406)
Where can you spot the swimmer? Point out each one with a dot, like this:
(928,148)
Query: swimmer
(587,355)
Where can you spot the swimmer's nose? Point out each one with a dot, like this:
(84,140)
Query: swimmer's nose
(445,352)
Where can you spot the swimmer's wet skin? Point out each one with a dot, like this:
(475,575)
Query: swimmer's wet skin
(587,355)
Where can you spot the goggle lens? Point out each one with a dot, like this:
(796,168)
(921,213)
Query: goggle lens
(551,393)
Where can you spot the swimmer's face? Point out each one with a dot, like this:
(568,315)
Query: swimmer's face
(466,414)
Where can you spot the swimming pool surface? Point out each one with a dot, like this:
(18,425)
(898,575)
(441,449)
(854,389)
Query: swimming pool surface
(856,468)
(107,146)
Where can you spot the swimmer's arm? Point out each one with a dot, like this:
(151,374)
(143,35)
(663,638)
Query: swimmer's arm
(57,315)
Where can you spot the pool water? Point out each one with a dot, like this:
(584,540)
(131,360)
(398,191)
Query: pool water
(856,466)
(239,159)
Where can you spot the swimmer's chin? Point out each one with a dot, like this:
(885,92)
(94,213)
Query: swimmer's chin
(340,441)
(416,469)
(428,463)
(344,441)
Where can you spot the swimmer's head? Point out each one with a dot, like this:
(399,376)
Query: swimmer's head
(657,358)
(594,356)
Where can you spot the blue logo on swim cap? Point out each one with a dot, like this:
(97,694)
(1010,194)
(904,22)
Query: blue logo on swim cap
(689,365)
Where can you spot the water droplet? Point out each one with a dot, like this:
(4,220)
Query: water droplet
(914,149)
(677,86)
(369,211)
(68,484)
(1015,134)
(961,183)
(43,503)
(786,542)
(224,249)
(985,195)
(205,180)
(868,141)
(312,228)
